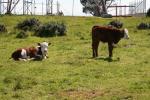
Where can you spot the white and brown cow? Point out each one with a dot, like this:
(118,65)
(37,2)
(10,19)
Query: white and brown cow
(36,53)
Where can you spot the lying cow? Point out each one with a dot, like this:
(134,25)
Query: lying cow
(107,35)
(35,53)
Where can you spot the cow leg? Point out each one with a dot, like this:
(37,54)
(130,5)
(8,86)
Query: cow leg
(93,52)
(95,49)
(110,48)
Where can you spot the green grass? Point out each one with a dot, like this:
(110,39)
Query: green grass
(70,73)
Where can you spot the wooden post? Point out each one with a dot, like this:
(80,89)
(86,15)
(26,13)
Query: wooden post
(0,7)
(116,11)
(72,7)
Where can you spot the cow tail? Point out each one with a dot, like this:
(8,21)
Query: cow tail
(93,30)
(92,34)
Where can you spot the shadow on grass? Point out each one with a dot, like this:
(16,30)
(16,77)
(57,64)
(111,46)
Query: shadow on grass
(107,59)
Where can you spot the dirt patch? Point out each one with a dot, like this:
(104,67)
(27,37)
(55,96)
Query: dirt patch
(81,94)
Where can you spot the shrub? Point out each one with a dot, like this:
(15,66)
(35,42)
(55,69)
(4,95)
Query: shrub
(22,35)
(51,29)
(143,26)
(3,28)
(61,28)
(106,16)
(47,30)
(29,24)
(116,24)
(148,13)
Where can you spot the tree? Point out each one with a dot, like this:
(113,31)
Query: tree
(96,7)
(11,5)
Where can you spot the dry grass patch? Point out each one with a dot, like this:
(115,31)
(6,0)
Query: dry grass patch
(81,94)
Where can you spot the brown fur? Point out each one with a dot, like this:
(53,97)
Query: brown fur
(105,34)
(31,52)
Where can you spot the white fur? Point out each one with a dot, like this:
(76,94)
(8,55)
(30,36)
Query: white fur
(126,34)
(24,54)
(44,49)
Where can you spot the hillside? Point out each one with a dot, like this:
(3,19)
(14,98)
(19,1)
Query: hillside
(70,72)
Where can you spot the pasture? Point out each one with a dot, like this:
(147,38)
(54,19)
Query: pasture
(70,72)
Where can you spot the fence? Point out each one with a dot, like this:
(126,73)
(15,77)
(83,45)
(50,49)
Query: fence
(139,9)
(31,7)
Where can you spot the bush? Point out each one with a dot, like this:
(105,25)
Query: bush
(143,26)
(51,29)
(148,13)
(116,24)
(3,28)
(106,16)
(29,24)
(22,35)
(61,28)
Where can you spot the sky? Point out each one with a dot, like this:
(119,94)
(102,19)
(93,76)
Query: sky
(66,7)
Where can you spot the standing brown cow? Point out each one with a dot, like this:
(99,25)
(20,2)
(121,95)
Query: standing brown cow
(107,35)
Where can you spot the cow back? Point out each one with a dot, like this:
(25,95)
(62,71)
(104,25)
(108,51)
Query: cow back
(106,34)
(31,51)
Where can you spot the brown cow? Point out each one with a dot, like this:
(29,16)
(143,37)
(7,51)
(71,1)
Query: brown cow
(107,35)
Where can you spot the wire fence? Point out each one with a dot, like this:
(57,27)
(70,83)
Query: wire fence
(30,7)
(139,9)
(39,7)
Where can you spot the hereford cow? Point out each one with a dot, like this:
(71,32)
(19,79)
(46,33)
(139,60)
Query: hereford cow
(37,53)
(107,35)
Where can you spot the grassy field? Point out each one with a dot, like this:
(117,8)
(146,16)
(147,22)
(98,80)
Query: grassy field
(70,72)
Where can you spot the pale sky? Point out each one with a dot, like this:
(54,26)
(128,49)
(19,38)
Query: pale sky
(66,7)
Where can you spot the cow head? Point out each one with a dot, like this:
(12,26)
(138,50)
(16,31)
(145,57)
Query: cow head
(126,34)
(44,48)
